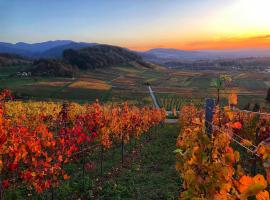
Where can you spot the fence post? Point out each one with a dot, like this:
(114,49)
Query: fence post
(83,168)
(101,160)
(148,134)
(254,164)
(122,149)
(52,193)
(209,109)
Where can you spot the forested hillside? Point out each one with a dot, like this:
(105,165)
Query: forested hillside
(99,56)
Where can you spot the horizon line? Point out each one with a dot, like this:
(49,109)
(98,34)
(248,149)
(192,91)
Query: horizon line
(148,49)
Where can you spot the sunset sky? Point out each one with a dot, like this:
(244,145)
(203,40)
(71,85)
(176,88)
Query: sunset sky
(139,24)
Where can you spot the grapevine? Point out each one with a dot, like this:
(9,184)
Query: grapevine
(38,138)
(209,165)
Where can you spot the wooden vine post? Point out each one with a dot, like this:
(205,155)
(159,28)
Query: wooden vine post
(209,112)
(83,167)
(101,160)
(254,158)
(122,149)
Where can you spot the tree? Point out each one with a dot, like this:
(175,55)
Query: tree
(220,83)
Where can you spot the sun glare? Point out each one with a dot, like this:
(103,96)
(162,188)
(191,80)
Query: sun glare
(246,18)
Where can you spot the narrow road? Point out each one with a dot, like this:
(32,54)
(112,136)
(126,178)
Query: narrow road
(153,97)
(155,102)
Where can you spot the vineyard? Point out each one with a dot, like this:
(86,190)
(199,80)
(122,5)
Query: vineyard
(40,139)
(49,147)
(170,101)
(223,153)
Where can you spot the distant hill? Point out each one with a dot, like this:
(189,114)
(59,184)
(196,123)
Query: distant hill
(57,52)
(88,58)
(80,57)
(163,55)
(99,56)
(49,67)
(12,59)
(49,49)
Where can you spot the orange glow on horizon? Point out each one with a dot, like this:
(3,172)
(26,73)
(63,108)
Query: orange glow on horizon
(239,24)
(231,43)
(260,41)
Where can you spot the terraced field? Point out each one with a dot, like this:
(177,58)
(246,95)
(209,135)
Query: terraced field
(128,82)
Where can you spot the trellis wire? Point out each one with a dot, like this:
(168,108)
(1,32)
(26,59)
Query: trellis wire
(252,112)
(236,141)
(209,110)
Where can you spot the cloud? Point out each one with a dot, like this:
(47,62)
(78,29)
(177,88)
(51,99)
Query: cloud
(261,37)
(231,42)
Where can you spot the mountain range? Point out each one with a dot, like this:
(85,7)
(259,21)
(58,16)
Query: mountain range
(48,49)
(55,49)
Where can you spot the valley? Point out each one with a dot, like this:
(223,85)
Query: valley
(128,83)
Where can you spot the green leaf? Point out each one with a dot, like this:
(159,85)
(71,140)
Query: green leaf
(214,83)
(179,151)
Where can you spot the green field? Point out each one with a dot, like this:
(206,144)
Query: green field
(11,70)
(128,83)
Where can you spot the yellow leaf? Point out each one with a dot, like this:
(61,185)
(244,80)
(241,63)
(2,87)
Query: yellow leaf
(237,156)
(233,99)
(230,115)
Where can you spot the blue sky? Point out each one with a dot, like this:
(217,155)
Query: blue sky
(136,24)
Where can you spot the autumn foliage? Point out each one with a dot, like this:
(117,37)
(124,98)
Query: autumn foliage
(38,138)
(209,165)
